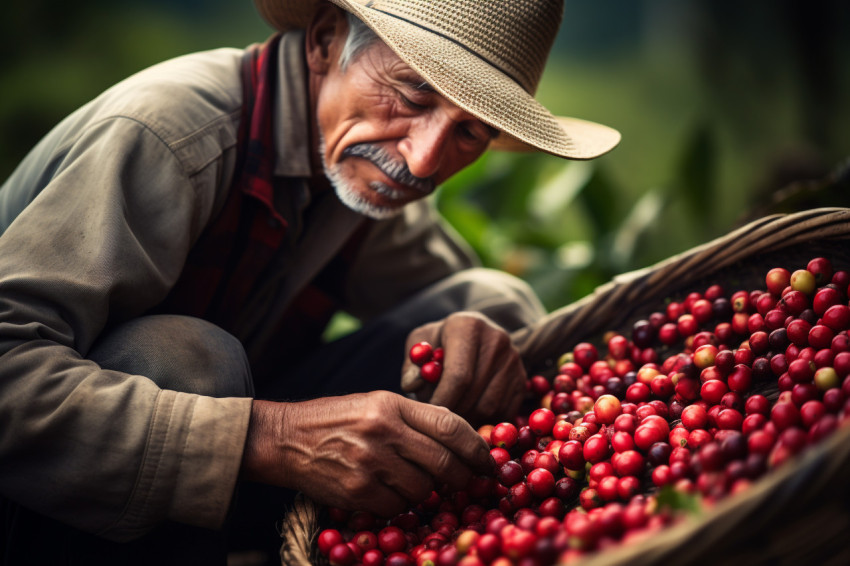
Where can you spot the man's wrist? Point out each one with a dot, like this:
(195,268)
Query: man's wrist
(261,461)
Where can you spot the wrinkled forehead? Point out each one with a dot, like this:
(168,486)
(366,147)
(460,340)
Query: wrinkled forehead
(403,74)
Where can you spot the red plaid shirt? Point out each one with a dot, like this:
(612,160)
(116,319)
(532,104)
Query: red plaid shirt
(224,266)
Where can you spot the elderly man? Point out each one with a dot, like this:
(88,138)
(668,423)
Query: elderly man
(172,251)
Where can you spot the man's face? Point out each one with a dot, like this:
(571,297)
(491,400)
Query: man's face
(386,137)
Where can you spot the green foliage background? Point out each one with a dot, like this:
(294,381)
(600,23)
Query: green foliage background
(728,110)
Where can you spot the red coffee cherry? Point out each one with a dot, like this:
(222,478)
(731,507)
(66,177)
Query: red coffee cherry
(421,353)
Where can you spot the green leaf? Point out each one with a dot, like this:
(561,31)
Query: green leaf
(676,500)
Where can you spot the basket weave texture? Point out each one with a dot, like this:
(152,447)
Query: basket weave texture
(799,512)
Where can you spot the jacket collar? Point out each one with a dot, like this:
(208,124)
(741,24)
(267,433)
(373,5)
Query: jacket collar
(291,109)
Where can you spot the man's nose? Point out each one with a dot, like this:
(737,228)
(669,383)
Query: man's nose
(425,146)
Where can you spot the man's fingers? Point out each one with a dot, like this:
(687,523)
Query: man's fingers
(459,369)
(448,430)
(503,398)
(410,379)
(436,462)
(493,380)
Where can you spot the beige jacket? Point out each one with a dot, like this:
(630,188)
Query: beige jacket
(96,224)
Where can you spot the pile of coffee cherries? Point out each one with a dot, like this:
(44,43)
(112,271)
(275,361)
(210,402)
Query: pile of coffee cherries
(701,399)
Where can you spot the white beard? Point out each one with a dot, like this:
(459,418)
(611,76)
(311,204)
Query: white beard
(354,200)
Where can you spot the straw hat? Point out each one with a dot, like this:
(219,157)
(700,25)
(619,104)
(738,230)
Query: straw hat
(485,56)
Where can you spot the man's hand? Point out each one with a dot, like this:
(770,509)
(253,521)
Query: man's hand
(483,377)
(376,451)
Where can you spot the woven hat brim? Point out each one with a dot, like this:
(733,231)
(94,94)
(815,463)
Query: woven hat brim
(595,139)
(470,83)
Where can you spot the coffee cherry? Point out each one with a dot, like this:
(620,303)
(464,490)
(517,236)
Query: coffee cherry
(391,539)
(765,303)
(504,435)
(341,555)
(431,371)
(584,354)
(571,455)
(841,364)
(519,496)
(687,325)
(596,449)
(837,317)
(713,390)
(798,331)
(759,342)
(677,438)
(721,308)
(841,278)
(553,508)
(777,279)
(488,547)
(365,540)
(841,343)
(702,310)
(694,416)
(643,334)
(803,280)
(821,268)
(510,473)
(638,393)
(740,301)
(646,435)
(629,463)
(421,353)
(784,415)
(811,412)
(801,370)
(822,428)
(541,421)
(740,379)
(606,488)
(541,482)
(561,430)
(589,498)
(794,302)
(607,408)
(826,378)
(327,539)
(820,336)
(729,419)
(824,298)
(373,557)
(399,559)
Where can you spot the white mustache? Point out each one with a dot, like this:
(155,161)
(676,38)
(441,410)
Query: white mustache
(394,169)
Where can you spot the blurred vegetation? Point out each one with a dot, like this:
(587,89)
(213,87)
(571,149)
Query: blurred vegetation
(728,110)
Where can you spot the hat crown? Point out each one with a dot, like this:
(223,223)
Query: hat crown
(514,36)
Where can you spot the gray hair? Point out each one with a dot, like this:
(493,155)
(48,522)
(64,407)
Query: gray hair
(360,36)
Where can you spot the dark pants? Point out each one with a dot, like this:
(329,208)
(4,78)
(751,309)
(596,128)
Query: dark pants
(209,361)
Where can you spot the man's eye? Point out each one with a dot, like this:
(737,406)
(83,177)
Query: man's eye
(468,133)
(411,104)
(476,132)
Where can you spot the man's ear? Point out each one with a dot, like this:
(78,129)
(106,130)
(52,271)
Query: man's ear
(324,37)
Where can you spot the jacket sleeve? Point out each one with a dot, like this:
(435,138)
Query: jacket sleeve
(103,241)
(416,250)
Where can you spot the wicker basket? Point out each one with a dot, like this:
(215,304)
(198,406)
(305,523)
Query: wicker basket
(799,511)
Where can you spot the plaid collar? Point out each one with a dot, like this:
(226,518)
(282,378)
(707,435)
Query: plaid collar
(276,117)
